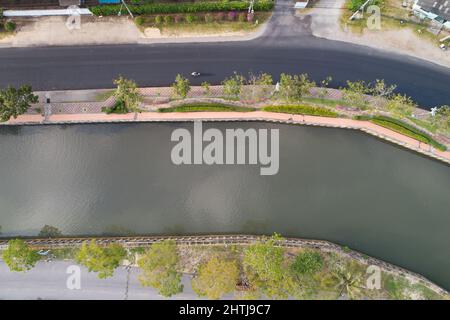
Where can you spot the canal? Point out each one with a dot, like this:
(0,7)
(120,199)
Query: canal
(334,184)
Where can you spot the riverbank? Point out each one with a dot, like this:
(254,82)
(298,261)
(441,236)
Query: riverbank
(194,249)
(295,119)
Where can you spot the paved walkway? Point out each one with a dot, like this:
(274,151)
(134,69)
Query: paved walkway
(365,126)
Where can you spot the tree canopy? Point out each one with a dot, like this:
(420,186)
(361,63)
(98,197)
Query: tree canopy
(14,102)
(307,262)
(103,260)
(216,278)
(265,269)
(127,93)
(19,256)
(159,268)
(181,86)
(294,87)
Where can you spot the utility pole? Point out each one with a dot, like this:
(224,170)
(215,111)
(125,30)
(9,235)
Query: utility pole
(128,9)
(360,9)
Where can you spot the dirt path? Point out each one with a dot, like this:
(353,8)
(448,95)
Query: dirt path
(52,31)
(325,24)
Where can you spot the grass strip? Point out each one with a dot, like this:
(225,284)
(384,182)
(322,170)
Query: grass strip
(302,109)
(403,128)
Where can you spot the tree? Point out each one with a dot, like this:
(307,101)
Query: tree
(216,278)
(355,94)
(323,90)
(49,232)
(293,88)
(159,268)
(307,262)
(260,85)
(381,89)
(181,86)
(103,260)
(304,85)
(346,278)
(10,26)
(14,102)
(264,267)
(19,256)
(232,86)
(349,283)
(400,105)
(206,86)
(127,94)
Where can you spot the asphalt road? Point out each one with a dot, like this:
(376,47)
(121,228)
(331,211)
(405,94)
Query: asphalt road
(48,281)
(286,46)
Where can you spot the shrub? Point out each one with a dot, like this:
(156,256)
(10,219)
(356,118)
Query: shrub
(241,17)
(231,15)
(307,262)
(187,7)
(167,19)
(158,19)
(209,18)
(354,5)
(139,20)
(201,107)
(190,18)
(301,109)
(10,26)
(118,108)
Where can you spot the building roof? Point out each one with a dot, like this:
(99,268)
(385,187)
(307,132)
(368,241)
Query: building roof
(439,7)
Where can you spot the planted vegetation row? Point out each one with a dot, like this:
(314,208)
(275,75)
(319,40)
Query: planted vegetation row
(155,8)
(403,128)
(302,109)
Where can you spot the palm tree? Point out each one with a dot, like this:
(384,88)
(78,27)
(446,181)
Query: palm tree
(349,283)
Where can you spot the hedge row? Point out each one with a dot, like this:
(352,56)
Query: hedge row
(302,109)
(153,8)
(405,129)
